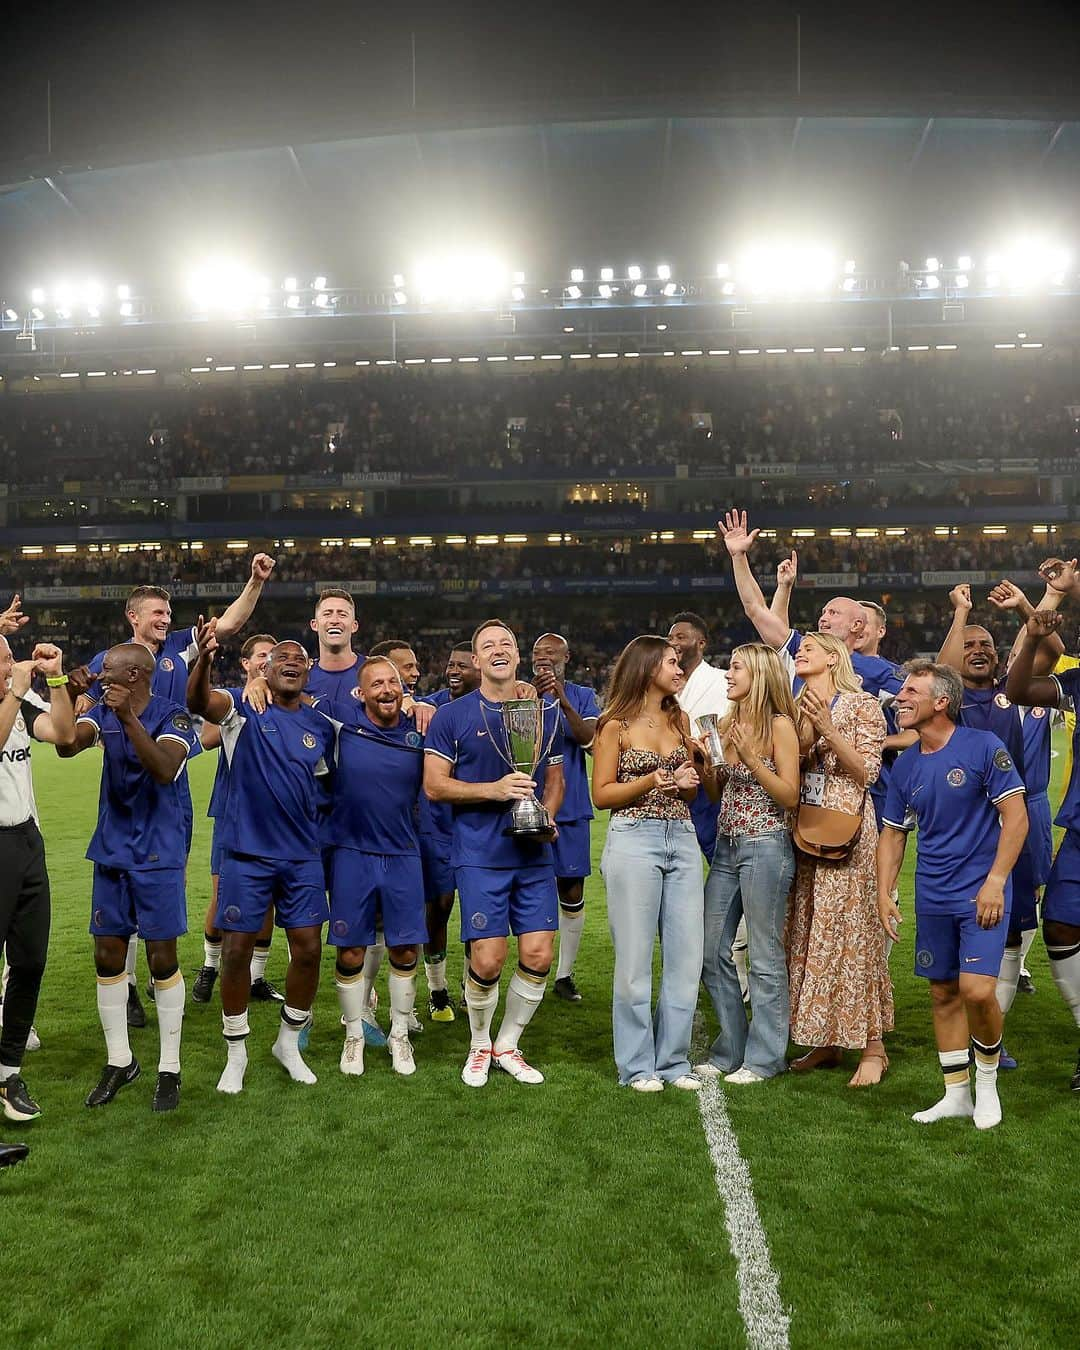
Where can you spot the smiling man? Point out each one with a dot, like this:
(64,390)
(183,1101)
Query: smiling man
(333,676)
(961,789)
(506,884)
(270,837)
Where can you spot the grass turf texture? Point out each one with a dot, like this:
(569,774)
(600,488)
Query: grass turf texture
(419,1212)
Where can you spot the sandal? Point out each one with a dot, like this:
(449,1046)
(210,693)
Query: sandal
(823,1057)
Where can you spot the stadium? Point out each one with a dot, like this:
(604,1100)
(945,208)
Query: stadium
(465,355)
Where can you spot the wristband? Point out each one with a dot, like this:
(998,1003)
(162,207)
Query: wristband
(56,681)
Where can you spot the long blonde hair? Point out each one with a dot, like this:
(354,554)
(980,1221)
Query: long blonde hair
(844,679)
(769,697)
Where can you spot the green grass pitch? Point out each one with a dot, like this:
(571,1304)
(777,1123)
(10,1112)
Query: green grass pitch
(419,1213)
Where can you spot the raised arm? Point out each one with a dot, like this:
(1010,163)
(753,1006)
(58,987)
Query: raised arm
(1023,686)
(787,573)
(952,649)
(739,541)
(212,704)
(1005,595)
(243,606)
(57,726)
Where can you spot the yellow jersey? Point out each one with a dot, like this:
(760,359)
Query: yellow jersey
(1068,663)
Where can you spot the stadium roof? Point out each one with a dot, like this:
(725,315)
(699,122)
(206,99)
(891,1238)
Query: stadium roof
(687,181)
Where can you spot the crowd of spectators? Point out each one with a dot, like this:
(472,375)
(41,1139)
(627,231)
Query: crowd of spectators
(580,421)
(910,553)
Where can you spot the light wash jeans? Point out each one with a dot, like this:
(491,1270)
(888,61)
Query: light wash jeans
(653,875)
(750,874)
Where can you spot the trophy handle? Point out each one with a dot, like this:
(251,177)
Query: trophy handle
(496,741)
(554,728)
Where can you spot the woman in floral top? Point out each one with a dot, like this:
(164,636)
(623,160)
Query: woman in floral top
(643,774)
(757,787)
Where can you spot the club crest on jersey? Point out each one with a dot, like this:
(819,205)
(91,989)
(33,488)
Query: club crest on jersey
(1002,760)
(232,913)
(1001,701)
(479,921)
(341,928)
(956,778)
(924,959)
(309,740)
(413,740)
(1038,712)
(166,664)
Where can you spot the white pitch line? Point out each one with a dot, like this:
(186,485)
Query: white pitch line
(762,1310)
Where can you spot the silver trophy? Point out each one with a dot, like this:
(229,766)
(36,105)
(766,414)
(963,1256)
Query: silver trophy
(520,743)
(710,733)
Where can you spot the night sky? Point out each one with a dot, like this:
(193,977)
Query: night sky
(137,81)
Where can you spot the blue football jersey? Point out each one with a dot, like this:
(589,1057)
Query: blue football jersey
(376,786)
(1036,726)
(577,803)
(171,664)
(335,686)
(1068,816)
(142,824)
(951,795)
(461,732)
(273,800)
(990,710)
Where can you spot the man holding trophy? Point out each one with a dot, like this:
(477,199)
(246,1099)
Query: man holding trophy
(486,754)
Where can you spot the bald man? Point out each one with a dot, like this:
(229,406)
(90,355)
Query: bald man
(139,852)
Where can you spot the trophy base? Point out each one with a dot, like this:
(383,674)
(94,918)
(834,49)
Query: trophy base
(541,834)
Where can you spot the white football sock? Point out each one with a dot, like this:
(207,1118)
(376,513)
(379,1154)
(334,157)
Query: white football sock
(1008,978)
(957,1100)
(8,1071)
(169,1000)
(353,1004)
(481,1000)
(372,961)
(524,995)
(402,999)
(132,958)
(987,1103)
(571,927)
(4,981)
(435,972)
(286,1049)
(211,953)
(1065,968)
(1026,939)
(112,997)
(235,1028)
(259,958)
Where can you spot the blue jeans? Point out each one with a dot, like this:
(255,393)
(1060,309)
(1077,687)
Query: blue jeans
(750,874)
(653,875)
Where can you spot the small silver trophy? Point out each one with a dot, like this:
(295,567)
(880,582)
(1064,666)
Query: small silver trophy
(521,745)
(710,733)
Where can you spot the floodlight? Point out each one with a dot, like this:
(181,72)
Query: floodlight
(517,293)
(460,279)
(728,288)
(960,281)
(37,295)
(10,315)
(573,292)
(664,271)
(224,285)
(932,282)
(933,264)
(964,262)
(670,289)
(93,292)
(399,281)
(849,284)
(93,311)
(723,270)
(123,292)
(607,274)
(786,269)
(604,290)
(641,290)
(400,298)
(322,300)
(518,278)
(577,274)
(127,309)
(633,272)
(849,267)
(37,314)
(290,284)
(320,283)
(292,302)
(63,312)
